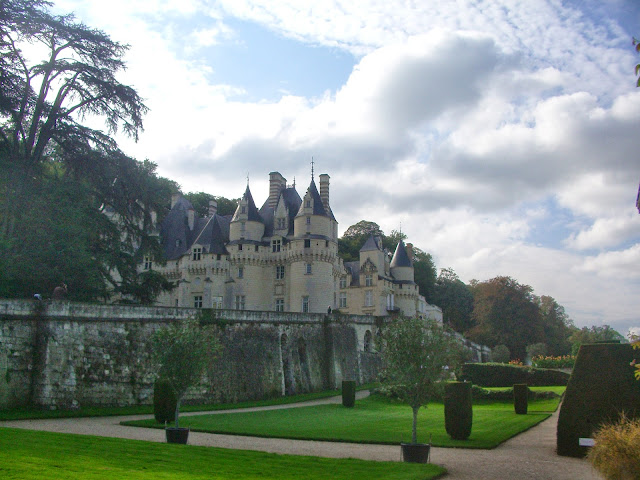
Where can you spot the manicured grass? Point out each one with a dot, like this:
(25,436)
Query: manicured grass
(26,454)
(28,413)
(373,420)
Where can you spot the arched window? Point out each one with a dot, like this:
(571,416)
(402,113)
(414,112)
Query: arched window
(367,341)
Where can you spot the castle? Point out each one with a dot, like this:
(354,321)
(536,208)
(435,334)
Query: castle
(282,257)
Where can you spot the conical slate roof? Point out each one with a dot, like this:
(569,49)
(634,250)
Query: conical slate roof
(400,257)
(252,210)
(372,244)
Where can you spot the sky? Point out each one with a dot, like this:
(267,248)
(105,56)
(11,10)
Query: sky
(502,137)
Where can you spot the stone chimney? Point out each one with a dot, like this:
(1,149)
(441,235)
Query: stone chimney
(213,207)
(324,190)
(191,217)
(174,198)
(277,183)
(410,251)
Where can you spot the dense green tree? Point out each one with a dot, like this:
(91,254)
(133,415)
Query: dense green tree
(556,324)
(455,299)
(354,237)
(42,101)
(424,274)
(594,334)
(200,202)
(505,312)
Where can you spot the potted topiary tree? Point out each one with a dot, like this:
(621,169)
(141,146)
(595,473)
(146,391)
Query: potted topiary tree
(182,351)
(416,354)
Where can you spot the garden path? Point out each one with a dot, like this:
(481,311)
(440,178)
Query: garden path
(528,456)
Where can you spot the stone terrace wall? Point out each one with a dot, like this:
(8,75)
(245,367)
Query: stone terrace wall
(63,355)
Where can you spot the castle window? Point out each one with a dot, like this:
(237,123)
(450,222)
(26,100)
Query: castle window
(343,282)
(279,272)
(197,252)
(367,341)
(305,304)
(243,209)
(176,302)
(368,280)
(147,263)
(197,301)
(275,245)
(368,298)
(326,243)
(218,257)
(307,243)
(279,304)
(282,223)
(240,272)
(307,268)
(217,302)
(343,300)
(239,247)
(307,204)
(239,302)
(256,248)
(308,220)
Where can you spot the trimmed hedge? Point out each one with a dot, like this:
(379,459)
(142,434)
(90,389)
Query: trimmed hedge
(504,375)
(458,410)
(520,400)
(601,388)
(164,402)
(348,393)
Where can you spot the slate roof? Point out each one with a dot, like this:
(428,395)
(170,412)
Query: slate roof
(354,270)
(372,244)
(252,210)
(174,230)
(400,257)
(292,201)
(318,207)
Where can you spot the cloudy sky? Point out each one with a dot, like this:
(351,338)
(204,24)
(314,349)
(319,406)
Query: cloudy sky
(502,136)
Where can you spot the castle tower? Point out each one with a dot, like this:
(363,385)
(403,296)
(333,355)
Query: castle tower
(401,264)
(314,253)
(246,223)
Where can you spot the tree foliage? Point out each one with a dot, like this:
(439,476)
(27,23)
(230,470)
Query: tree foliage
(183,350)
(200,202)
(594,334)
(455,299)
(73,207)
(415,355)
(505,312)
(556,324)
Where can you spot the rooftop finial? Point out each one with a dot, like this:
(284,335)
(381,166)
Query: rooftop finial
(247,179)
(312,162)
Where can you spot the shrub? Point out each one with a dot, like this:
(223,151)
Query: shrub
(480,394)
(520,398)
(616,453)
(502,375)
(602,386)
(536,350)
(500,354)
(458,410)
(164,402)
(348,393)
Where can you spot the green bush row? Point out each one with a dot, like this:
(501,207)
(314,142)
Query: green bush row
(503,375)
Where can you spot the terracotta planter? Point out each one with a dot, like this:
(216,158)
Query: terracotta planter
(177,435)
(415,452)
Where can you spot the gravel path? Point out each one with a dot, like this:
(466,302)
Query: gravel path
(529,456)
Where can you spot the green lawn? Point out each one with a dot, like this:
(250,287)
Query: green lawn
(373,420)
(28,413)
(26,454)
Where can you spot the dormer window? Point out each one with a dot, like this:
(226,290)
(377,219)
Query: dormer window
(282,224)
(178,242)
(308,220)
(276,245)
(147,263)
(243,209)
(368,280)
(197,253)
(307,203)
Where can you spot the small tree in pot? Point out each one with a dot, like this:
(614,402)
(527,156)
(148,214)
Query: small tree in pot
(416,355)
(183,350)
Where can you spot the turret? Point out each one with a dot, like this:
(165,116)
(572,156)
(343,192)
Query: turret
(246,223)
(401,264)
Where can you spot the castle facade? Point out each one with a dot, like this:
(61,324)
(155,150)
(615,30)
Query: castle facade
(282,257)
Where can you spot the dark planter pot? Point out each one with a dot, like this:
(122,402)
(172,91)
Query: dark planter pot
(415,452)
(177,435)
